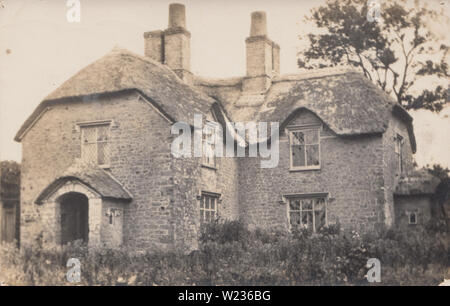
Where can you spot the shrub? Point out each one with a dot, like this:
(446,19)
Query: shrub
(231,254)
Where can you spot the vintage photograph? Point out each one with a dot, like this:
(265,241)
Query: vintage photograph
(224,143)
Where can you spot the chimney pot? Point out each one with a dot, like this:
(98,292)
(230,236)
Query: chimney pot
(177,16)
(259,24)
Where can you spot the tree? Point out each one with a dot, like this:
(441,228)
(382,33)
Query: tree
(439,171)
(396,51)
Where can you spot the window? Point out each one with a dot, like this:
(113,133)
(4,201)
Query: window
(208,206)
(307,212)
(208,145)
(95,144)
(412,217)
(399,153)
(305,148)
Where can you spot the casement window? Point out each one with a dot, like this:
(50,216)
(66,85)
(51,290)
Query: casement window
(307,212)
(412,217)
(399,153)
(95,144)
(208,145)
(304,148)
(208,206)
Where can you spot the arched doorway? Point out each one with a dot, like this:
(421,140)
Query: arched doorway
(74,217)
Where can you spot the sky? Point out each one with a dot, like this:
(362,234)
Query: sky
(40,49)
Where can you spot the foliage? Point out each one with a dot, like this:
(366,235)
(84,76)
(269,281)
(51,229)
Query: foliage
(439,171)
(9,180)
(396,52)
(231,254)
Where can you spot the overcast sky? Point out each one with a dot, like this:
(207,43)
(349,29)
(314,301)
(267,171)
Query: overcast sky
(40,49)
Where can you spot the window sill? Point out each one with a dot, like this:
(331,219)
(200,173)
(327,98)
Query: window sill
(304,169)
(209,167)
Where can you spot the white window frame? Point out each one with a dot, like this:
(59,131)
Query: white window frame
(211,195)
(288,197)
(290,131)
(209,161)
(399,141)
(83,125)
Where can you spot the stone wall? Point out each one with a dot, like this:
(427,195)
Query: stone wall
(390,165)
(351,173)
(111,234)
(140,159)
(420,204)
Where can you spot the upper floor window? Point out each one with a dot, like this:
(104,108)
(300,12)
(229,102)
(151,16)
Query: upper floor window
(208,145)
(208,206)
(307,212)
(95,144)
(305,148)
(399,152)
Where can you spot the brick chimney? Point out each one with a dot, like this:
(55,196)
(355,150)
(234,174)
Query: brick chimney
(263,56)
(173,45)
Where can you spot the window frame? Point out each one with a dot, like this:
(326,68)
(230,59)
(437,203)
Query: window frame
(416,214)
(213,164)
(399,142)
(290,131)
(311,196)
(96,124)
(210,195)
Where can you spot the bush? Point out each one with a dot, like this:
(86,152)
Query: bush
(231,254)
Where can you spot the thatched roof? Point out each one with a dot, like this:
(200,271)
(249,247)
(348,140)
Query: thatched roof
(342,98)
(93,177)
(121,70)
(417,183)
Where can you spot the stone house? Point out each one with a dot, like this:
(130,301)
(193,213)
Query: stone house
(97,162)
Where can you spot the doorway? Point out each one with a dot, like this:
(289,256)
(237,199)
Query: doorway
(74,217)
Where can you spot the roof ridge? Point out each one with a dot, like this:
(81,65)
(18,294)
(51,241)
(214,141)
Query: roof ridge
(315,73)
(236,80)
(123,51)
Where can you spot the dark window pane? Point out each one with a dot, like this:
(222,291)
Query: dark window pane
(319,204)
(307,204)
(88,153)
(298,156)
(312,155)
(294,218)
(312,137)
(319,219)
(89,134)
(206,202)
(102,133)
(309,215)
(102,151)
(294,204)
(298,138)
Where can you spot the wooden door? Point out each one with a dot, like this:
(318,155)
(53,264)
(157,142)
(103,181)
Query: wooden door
(8,224)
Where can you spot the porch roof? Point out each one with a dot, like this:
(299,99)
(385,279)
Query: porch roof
(92,176)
